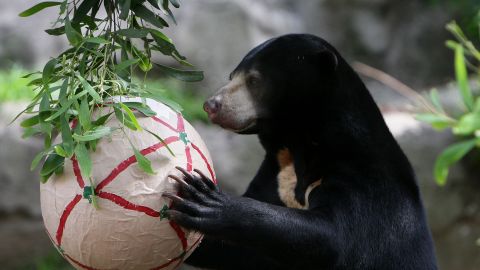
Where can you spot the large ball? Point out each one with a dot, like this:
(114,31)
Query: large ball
(127,230)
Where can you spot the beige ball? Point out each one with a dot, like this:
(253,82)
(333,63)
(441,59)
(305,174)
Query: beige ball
(127,231)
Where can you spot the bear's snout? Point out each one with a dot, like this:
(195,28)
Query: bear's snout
(212,106)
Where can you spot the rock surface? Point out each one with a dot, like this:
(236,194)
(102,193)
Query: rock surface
(403,37)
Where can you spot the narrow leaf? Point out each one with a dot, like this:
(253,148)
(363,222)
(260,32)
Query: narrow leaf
(48,70)
(143,162)
(133,33)
(462,77)
(449,156)
(38,7)
(175,3)
(467,124)
(59,150)
(52,162)
(84,114)
(93,134)
(131,116)
(143,108)
(83,158)
(73,36)
(183,75)
(90,89)
(144,13)
(32,121)
(56,31)
(125,64)
(67,139)
(36,160)
(96,40)
(125,9)
(437,121)
(162,141)
(435,98)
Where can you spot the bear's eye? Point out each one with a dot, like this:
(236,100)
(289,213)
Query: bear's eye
(252,81)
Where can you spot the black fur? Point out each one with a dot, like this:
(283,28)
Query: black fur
(366,214)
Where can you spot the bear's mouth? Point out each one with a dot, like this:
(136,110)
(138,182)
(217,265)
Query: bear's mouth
(248,127)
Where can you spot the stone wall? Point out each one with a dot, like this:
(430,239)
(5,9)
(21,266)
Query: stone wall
(403,37)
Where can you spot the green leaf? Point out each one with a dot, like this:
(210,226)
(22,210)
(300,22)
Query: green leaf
(462,77)
(435,98)
(84,114)
(59,150)
(101,120)
(143,162)
(161,98)
(83,158)
(56,31)
(36,160)
(157,34)
(66,106)
(162,141)
(143,108)
(90,89)
(449,156)
(183,75)
(125,9)
(467,124)
(149,16)
(52,162)
(132,117)
(437,121)
(48,70)
(73,36)
(133,33)
(38,7)
(82,10)
(125,64)
(67,139)
(122,119)
(175,3)
(93,134)
(154,3)
(96,40)
(167,11)
(32,121)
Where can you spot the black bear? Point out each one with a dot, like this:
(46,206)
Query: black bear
(335,190)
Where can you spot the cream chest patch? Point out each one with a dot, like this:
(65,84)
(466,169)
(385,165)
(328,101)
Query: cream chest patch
(287,181)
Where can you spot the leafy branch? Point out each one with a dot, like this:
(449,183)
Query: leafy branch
(105,52)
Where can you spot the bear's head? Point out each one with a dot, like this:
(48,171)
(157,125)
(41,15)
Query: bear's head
(283,78)
(297,89)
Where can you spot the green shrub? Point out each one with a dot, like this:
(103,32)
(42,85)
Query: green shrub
(13,87)
(466,125)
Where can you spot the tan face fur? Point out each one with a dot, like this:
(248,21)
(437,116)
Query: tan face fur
(238,104)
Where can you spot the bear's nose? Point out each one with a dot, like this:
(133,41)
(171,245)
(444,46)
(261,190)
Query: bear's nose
(212,105)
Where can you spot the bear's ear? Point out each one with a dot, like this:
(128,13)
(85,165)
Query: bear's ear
(327,60)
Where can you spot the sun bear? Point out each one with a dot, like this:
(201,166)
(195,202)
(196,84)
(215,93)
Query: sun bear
(335,191)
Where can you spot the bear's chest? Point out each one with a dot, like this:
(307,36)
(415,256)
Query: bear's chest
(287,183)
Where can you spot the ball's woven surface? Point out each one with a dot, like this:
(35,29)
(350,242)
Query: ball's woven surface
(127,231)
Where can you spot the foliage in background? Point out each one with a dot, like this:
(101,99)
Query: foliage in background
(467,14)
(466,125)
(104,54)
(13,87)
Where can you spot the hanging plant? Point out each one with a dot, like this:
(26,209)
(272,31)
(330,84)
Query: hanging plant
(105,51)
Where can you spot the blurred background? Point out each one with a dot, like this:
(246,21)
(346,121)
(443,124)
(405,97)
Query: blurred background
(404,38)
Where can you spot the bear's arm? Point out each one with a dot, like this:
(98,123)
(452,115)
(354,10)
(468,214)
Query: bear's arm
(214,253)
(276,231)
